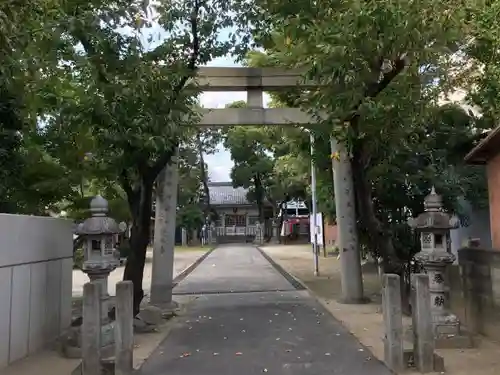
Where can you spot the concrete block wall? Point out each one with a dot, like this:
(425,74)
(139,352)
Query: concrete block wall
(475,291)
(36,261)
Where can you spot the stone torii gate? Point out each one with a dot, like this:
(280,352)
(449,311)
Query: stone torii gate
(255,81)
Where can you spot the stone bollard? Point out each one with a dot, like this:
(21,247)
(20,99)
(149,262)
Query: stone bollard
(184,237)
(393,323)
(91,329)
(124,328)
(423,335)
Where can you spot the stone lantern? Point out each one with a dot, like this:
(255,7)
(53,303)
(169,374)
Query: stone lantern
(434,227)
(100,234)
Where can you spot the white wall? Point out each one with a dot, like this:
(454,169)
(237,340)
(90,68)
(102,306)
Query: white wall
(36,261)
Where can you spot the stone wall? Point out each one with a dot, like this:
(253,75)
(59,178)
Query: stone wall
(36,261)
(475,290)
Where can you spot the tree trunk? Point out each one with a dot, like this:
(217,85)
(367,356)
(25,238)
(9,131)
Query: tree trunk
(259,197)
(380,237)
(140,203)
(204,178)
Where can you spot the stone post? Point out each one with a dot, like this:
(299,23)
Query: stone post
(164,238)
(184,239)
(393,322)
(350,258)
(212,234)
(124,328)
(258,233)
(423,336)
(195,239)
(91,329)
(275,233)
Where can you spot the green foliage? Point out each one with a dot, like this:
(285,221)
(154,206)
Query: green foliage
(78,258)
(124,249)
(380,69)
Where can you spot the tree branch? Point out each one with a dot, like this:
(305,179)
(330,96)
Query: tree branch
(127,187)
(93,55)
(191,69)
(195,51)
(162,161)
(376,88)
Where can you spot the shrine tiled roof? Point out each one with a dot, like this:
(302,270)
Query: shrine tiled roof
(223,193)
(486,149)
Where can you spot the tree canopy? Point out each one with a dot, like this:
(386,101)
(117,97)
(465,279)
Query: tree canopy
(97,97)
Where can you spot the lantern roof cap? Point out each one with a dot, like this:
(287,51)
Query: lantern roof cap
(99,206)
(433,201)
(99,223)
(433,217)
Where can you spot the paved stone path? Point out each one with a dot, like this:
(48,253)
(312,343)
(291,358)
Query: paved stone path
(248,319)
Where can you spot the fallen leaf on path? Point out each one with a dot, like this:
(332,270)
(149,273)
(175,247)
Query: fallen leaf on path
(187,354)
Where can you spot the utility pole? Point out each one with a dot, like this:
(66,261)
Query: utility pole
(314,208)
(350,257)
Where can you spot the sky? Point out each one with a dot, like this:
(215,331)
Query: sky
(220,163)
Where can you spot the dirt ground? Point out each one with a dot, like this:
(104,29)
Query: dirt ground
(365,321)
(183,257)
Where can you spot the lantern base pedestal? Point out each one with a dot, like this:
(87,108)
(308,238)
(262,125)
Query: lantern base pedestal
(71,343)
(447,335)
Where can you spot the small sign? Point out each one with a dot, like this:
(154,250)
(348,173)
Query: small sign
(319,228)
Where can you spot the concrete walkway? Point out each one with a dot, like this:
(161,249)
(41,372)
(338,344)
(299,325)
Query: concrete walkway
(248,319)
